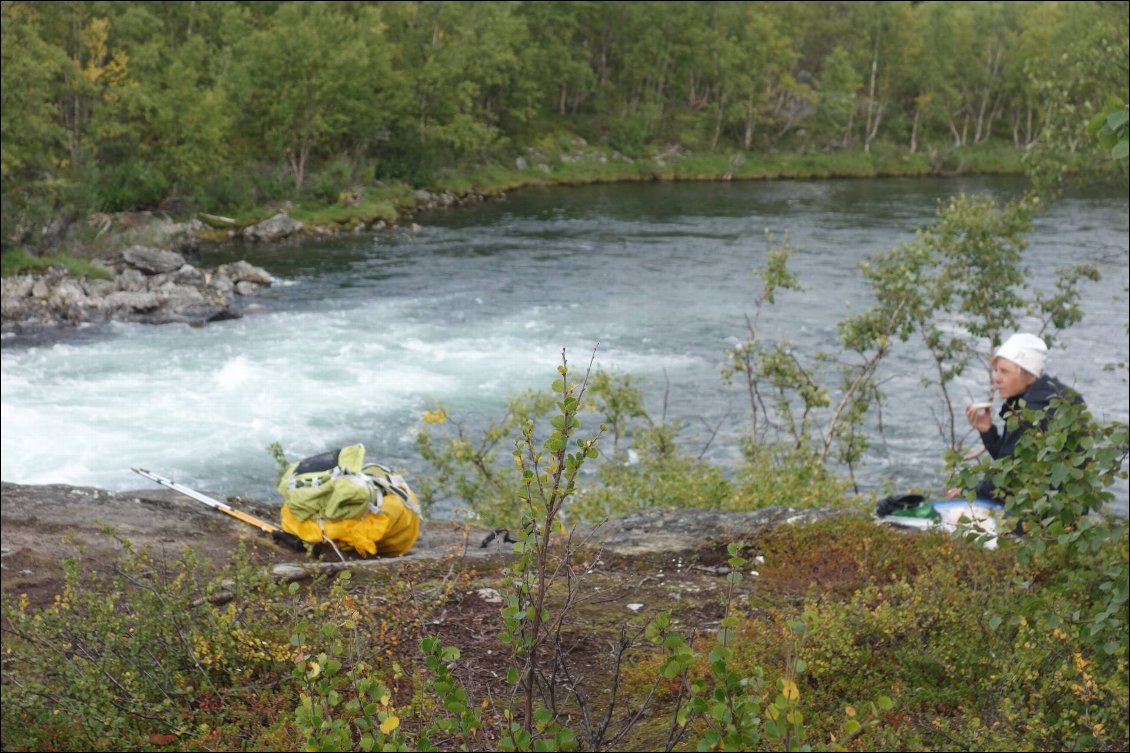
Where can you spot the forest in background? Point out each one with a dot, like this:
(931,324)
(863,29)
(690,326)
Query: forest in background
(199,106)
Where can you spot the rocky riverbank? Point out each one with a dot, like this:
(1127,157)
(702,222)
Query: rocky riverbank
(155,283)
(40,526)
(146,285)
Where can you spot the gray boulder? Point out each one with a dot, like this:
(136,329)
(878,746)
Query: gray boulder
(152,261)
(121,303)
(40,289)
(68,292)
(98,288)
(241,271)
(221,283)
(282,225)
(187,275)
(130,281)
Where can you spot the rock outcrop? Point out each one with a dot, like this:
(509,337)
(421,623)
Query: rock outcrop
(277,228)
(41,524)
(147,285)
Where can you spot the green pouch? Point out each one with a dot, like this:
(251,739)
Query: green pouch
(926,512)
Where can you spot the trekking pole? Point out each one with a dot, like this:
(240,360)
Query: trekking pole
(279,535)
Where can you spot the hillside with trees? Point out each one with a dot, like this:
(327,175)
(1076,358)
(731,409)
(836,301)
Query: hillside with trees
(187,106)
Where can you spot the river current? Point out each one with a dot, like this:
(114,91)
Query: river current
(360,335)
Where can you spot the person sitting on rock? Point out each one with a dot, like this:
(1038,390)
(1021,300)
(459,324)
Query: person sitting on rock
(1021,381)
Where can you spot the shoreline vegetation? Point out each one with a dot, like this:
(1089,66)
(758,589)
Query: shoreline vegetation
(380,205)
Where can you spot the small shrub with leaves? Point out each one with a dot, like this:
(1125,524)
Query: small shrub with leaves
(1057,483)
(120,659)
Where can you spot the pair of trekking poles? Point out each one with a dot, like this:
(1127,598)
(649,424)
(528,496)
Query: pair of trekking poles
(279,536)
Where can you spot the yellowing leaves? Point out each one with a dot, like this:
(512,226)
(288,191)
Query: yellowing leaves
(437,416)
(789,690)
(111,68)
(389,724)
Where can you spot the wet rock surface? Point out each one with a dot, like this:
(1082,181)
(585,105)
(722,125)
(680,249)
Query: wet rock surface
(276,228)
(148,285)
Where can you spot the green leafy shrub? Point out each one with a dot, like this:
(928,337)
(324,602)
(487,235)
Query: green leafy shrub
(962,675)
(1057,483)
(130,185)
(331,180)
(119,660)
(472,471)
(226,192)
(655,481)
(788,477)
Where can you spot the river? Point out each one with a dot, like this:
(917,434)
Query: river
(362,334)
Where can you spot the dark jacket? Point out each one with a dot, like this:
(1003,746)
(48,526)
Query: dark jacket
(1002,444)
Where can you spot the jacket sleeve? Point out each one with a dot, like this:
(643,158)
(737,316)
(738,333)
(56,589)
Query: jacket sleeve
(993,441)
(998,445)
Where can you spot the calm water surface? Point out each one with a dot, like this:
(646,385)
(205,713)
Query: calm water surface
(361,335)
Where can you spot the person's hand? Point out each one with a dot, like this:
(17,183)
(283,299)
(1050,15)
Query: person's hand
(980,417)
(954,492)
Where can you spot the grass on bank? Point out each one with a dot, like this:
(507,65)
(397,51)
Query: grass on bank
(384,203)
(18,261)
(599,165)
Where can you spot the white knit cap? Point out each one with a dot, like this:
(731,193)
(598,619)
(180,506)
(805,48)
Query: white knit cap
(1029,352)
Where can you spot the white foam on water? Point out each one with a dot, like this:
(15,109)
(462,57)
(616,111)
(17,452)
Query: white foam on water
(202,405)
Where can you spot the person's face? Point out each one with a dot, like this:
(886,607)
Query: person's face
(1011,380)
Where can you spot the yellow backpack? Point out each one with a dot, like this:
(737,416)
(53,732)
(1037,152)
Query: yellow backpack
(358,505)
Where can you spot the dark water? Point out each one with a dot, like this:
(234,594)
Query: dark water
(365,333)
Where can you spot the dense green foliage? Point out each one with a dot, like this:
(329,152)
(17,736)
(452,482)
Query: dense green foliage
(222,106)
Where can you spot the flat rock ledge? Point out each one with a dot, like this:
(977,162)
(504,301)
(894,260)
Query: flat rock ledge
(673,530)
(44,524)
(148,285)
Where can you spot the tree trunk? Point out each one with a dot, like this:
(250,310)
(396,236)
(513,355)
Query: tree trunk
(983,129)
(874,131)
(298,161)
(660,84)
(747,137)
(869,128)
(994,113)
(73,131)
(953,129)
(850,125)
(721,107)
(914,129)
